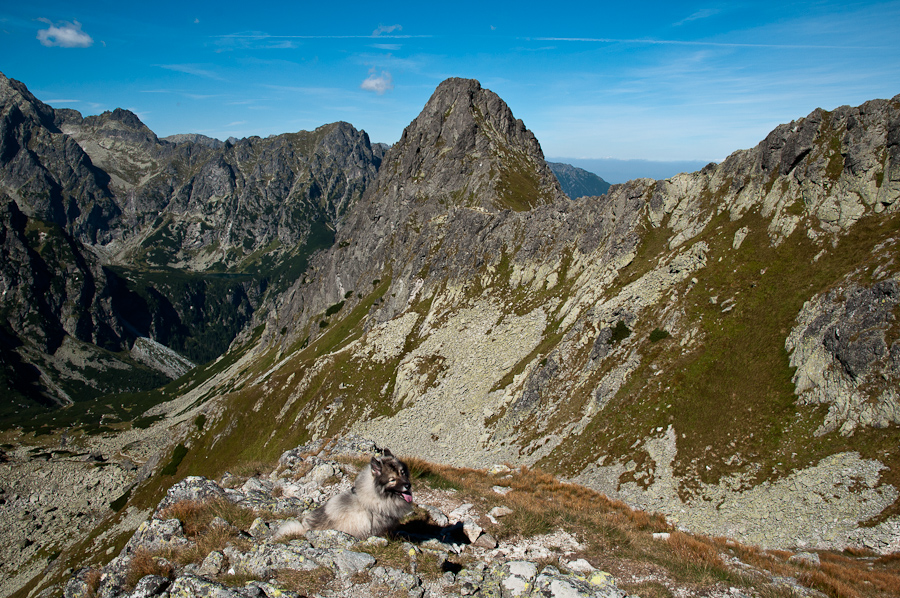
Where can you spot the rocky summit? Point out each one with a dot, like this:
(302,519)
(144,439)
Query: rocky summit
(720,347)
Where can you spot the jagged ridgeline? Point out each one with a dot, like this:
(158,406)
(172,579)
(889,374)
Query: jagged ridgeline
(110,235)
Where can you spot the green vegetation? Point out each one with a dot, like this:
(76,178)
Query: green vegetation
(119,504)
(657,335)
(334,309)
(178,455)
(620,332)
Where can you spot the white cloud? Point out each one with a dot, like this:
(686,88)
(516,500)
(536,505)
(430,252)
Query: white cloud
(64,35)
(191,69)
(378,83)
(703,13)
(382,29)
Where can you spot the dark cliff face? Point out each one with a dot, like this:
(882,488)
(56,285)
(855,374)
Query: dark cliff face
(46,172)
(171,216)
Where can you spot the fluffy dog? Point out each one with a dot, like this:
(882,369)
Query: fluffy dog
(380,497)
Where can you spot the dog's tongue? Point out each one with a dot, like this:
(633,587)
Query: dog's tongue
(407,496)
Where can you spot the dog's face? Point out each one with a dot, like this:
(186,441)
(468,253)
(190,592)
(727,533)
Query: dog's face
(392,476)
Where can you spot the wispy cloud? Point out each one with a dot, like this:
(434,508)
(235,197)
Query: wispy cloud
(192,69)
(379,83)
(258,36)
(703,13)
(64,35)
(675,42)
(383,29)
(388,47)
(62,101)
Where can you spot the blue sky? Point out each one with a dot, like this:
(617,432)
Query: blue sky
(627,80)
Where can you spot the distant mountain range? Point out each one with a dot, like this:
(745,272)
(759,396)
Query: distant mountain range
(577,182)
(620,171)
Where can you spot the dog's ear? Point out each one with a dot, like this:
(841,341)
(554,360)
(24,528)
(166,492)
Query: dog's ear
(387,453)
(376,465)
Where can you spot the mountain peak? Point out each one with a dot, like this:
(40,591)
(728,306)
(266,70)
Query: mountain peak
(466,148)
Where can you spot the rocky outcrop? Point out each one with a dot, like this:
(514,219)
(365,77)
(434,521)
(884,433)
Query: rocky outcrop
(253,561)
(46,172)
(462,166)
(848,357)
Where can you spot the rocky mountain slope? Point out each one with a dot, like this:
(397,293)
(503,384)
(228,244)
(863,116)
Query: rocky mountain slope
(708,346)
(720,346)
(578,182)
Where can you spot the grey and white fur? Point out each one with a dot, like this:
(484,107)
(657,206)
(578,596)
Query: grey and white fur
(380,497)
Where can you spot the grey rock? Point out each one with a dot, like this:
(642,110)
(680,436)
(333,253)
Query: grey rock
(395,579)
(810,558)
(471,529)
(349,562)
(212,565)
(156,534)
(150,585)
(486,540)
(264,559)
(436,515)
(259,529)
(189,586)
(554,584)
(192,488)
(330,539)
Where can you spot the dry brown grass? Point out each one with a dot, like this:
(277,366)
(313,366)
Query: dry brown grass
(92,582)
(144,563)
(828,585)
(615,534)
(855,572)
(304,582)
(195,515)
(696,553)
(197,522)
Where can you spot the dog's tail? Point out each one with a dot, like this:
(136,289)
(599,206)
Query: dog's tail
(291,528)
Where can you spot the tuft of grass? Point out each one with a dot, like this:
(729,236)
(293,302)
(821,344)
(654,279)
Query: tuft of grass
(700,557)
(92,581)
(421,471)
(304,582)
(144,563)
(196,521)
